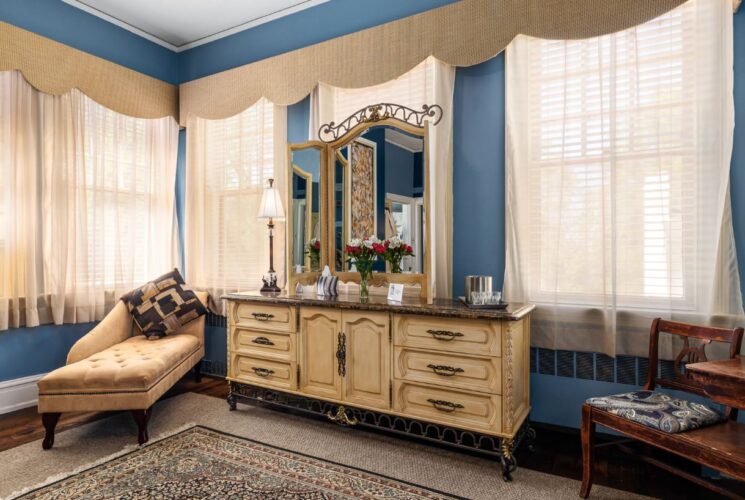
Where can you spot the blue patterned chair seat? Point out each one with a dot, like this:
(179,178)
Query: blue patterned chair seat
(658,411)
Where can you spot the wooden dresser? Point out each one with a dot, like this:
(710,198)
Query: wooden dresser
(413,367)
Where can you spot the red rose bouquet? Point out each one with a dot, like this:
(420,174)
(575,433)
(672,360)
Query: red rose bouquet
(395,251)
(363,253)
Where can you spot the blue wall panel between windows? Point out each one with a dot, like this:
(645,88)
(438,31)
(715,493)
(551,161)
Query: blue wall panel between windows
(478,172)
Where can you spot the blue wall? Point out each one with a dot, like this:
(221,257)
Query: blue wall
(30,351)
(737,169)
(478,172)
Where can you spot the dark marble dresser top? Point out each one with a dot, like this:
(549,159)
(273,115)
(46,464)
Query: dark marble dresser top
(440,307)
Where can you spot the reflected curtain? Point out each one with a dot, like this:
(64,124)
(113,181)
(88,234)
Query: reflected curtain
(88,210)
(618,158)
(228,165)
(430,82)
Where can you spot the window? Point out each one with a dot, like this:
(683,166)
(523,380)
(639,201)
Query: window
(115,189)
(86,204)
(618,153)
(615,164)
(226,245)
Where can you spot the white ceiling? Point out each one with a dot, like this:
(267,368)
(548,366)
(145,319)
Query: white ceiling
(182,24)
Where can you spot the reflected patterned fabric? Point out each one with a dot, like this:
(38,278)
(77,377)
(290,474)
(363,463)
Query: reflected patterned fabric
(658,411)
(162,306)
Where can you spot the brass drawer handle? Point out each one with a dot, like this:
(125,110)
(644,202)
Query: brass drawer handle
(262,341)
(444,370)
(444,334)
(262,372)
(262,316)
(445,406)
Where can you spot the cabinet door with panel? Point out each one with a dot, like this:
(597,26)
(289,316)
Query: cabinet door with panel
(320,334)
(367,371)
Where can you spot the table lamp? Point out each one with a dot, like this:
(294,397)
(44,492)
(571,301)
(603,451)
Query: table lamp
(271,208)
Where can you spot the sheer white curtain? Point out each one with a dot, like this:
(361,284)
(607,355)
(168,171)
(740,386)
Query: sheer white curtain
(21,274)
(618,156)
(228,165)
(431,82)
(89,213)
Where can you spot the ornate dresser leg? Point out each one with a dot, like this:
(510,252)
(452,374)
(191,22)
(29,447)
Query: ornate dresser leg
(231,402)
(509,463)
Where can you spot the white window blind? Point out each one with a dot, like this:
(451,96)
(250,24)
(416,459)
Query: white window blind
(115,191)
(618,160)
(229,164)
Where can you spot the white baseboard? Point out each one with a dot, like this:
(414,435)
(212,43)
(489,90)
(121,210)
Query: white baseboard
(19,393)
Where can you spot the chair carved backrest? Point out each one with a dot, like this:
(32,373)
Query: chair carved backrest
(695,340)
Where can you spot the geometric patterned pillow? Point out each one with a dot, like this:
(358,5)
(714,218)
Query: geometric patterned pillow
(164,305)
(659,411)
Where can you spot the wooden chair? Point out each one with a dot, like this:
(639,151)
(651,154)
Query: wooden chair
(720,446)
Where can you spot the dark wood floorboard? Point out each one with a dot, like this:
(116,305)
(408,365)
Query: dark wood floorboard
(557,450)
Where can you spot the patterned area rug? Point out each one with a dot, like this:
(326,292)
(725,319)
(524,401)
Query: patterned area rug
(204,463)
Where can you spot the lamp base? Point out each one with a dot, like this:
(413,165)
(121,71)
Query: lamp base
(270,289)
(270,284)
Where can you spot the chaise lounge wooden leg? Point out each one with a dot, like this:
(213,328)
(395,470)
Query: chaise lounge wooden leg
(588,450)
(141,419)
(50,422)
(198,371)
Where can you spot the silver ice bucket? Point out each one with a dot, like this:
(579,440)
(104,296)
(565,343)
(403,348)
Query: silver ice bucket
(477,284)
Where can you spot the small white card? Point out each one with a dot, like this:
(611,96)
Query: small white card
(395,292)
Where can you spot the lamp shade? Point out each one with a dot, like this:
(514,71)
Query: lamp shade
(271,203)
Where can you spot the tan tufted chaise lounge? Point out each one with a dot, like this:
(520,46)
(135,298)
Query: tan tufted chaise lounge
(114,368)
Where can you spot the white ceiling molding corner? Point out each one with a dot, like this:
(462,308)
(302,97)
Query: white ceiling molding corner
(180,25)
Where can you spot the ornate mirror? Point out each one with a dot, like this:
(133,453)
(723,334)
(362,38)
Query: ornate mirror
(378,189)
(305,206)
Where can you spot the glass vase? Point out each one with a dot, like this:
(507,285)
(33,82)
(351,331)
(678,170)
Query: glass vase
(396,264)
(364,277)
(315,262)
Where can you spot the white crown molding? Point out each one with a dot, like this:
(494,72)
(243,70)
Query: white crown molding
(307,4)
(201,41)
(19,393)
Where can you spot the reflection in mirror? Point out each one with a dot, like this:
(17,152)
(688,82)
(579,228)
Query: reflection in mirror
(306,219)
(379,190)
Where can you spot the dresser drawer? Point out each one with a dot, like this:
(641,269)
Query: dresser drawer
(264,372)
(281,346)
(460,371)
(469,336)
(262,317)
(448,406)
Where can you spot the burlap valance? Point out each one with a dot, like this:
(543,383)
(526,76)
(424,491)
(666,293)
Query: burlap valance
(462,34)
(55,68)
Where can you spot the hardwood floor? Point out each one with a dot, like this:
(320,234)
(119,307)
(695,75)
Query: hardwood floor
(557,450)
